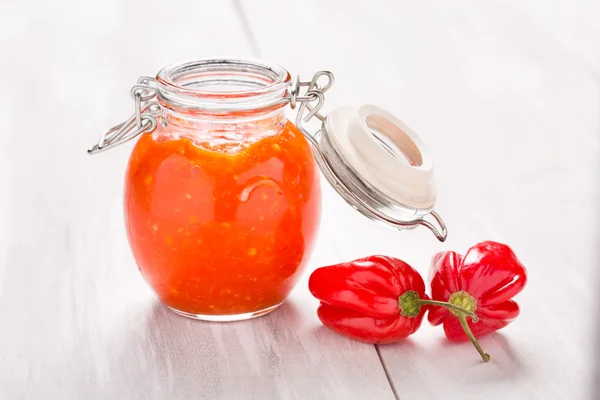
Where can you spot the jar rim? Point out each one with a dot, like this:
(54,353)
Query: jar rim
(263,84)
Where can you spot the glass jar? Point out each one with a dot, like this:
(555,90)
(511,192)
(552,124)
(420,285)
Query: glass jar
(222,192)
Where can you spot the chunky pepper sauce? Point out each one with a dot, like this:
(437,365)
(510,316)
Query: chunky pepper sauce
(216,230)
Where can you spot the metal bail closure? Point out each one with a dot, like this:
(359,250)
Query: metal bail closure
(385,170)
(146,111)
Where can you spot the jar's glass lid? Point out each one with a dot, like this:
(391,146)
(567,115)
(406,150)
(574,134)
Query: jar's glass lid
(383,154)
(380,167)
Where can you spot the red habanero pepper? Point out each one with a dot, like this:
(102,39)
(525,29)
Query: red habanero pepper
(376,299)
(483,281)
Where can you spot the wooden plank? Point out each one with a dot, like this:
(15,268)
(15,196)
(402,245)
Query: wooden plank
(506,96)
(77,320)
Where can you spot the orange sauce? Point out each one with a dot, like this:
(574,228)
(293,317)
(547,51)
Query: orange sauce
(217,232)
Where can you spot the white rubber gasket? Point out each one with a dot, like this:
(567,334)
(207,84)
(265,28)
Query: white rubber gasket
(411,183)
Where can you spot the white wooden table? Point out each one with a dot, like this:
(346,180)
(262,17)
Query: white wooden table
(506,94)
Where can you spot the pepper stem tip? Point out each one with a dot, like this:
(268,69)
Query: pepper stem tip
(465,325)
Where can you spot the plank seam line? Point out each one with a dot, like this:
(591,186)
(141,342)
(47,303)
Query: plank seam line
(247,28)
(387,373)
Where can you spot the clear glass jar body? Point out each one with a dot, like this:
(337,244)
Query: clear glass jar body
(222,200)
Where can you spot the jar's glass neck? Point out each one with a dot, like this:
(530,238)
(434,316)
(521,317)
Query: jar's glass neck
(222,90)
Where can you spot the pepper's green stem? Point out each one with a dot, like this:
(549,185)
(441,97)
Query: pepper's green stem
(461,304)
(465,325)
(458,309)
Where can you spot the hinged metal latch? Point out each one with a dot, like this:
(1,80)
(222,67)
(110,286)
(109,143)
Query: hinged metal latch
(142,120)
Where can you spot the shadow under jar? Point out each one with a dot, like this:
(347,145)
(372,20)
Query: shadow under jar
(222,199)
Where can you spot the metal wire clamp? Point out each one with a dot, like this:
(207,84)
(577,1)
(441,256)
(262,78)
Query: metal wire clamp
(143,119)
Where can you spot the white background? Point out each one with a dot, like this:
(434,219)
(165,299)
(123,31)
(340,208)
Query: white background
(505,93)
